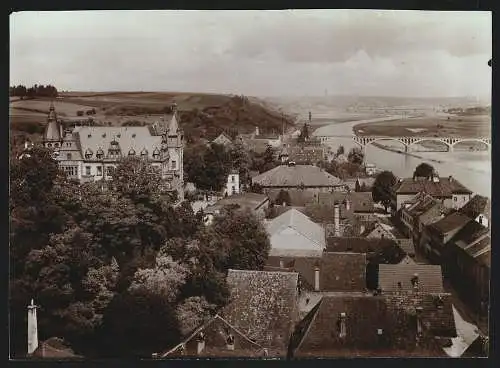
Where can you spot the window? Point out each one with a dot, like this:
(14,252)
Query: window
(174,164)
(49,144)
(232,178)
(68,156)
(56,144)
(87,170)
(109,170)
(99,171)
(234,189)
(480,220)
(455,199)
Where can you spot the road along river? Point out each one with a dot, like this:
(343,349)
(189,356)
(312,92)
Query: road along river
(471,168)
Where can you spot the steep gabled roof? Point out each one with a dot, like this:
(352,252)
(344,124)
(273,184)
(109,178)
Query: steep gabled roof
(477,205)
(215,331)
(430,278)
(299,224)
(263,306)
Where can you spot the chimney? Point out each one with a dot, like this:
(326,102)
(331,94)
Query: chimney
(32,328)
(336,219)
(414,282)
(450,178)
(418,311)
(343,329)
(361,229)
(256,131)
(201,343)
(316,278)
(174,108)
(347,204)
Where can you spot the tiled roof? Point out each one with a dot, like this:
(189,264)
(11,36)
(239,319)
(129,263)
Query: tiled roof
(455,220)
(215,332)
(263,306)
(128,138)
(294,230)
(337,271)
(477,205)
(304,154)
(469,233)
(250,201)
(430,278)
(445,187)
(422,205)
(295,176)
(222,139)
(437,311)
(372,329)
(365,245)
(359,201)
(298,198)
(53,348)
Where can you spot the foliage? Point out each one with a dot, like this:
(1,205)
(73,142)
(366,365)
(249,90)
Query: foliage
(356,156)
(424,170)
(137,324)
(35,91)
(193,312)
(340,150)
(382,188)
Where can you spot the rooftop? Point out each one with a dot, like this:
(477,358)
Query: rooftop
(398,277)
(477,205)
(295,176)
(247,200)
(453,221)
(263,306)
(294,230)
(445,187)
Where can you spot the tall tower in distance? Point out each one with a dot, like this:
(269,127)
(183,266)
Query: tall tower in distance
(32,328)
(173,167)
(53,134)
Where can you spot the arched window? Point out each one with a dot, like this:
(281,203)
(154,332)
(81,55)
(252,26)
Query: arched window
(88,154)
(49,144)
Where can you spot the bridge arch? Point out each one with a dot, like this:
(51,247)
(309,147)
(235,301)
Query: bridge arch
(431,139)
(369,140)
(484,141)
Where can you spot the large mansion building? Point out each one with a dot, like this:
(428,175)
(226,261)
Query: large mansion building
(87,153)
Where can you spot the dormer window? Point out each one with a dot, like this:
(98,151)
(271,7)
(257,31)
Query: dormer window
(144,152)
(68,156)
(88,154)
(119,135)
(414,282)
(89,136)
(99,154)
(156,154)
(104,135)
(131,152)
(133,135)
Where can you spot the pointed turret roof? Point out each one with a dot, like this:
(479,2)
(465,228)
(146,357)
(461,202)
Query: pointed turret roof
(173,125)
(53,130)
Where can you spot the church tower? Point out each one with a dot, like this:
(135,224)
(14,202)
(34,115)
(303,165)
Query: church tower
(173,143)
(53,134)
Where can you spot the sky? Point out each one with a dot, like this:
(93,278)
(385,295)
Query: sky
(257,53)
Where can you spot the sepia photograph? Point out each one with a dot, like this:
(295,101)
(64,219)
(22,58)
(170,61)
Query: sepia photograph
(250,184)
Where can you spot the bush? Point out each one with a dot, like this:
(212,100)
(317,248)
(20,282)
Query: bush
(79,113)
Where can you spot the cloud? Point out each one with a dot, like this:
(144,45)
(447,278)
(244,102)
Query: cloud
(255,52)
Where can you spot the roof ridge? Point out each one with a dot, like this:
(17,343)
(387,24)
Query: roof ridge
(316,309)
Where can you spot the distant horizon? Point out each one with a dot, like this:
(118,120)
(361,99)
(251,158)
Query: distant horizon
(413,54)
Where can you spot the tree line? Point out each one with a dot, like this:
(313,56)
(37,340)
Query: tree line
(34,91)
(118,269)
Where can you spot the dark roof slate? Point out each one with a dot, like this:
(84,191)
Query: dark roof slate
(476,206)
(453,221)
(443,188)
(430,278)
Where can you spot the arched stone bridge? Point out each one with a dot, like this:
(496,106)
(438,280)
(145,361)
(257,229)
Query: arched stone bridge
(363,141)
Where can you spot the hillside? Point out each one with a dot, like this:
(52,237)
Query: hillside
(201,115)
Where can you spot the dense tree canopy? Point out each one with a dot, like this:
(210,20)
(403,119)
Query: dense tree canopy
(424,170)
(356,156)
(383,187)
(35,91)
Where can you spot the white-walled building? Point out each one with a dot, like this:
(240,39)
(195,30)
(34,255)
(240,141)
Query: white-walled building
(87,153)
(233,183)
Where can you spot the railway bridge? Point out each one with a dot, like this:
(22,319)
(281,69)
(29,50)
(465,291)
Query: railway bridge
(450,142)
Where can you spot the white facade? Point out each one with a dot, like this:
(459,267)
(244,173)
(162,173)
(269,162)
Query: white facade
(459,200)
(233,183)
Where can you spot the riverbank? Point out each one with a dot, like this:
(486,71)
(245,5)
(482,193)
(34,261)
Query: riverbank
(390,149)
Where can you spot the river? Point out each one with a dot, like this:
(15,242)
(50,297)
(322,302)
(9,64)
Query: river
(473,169)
